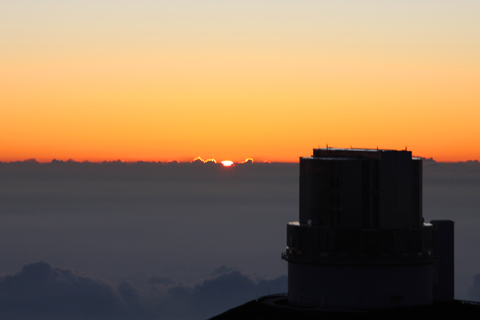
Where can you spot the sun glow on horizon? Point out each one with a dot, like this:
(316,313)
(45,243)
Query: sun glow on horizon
(248,160)
(227,163)
(204,161)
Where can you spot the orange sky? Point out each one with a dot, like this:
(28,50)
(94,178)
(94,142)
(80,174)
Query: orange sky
(231,81)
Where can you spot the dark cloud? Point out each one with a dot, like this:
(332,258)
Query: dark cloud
(224,289)
(231,288)
(128,292)
(40,291)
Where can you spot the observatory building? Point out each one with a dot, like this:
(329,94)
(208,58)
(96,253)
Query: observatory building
(361,242)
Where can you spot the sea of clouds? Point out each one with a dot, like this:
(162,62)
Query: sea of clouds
(176,241)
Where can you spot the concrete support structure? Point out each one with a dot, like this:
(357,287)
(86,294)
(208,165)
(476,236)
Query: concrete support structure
(360,242)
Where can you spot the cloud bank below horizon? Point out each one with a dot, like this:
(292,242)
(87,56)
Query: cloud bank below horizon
(41,291)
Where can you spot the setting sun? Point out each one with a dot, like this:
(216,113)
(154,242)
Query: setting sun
(227,163)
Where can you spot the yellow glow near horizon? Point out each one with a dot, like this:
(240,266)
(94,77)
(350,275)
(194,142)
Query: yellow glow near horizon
(204,161)
(227,163)
(81,81)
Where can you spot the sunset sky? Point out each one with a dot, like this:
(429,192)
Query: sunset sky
(174,80)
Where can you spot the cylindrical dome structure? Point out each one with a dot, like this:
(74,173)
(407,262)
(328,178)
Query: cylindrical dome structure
(360,242)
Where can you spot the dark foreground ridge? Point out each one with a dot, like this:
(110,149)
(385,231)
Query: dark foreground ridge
(275,307)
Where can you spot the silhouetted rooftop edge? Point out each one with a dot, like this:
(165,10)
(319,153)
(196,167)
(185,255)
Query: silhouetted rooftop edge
(276,308)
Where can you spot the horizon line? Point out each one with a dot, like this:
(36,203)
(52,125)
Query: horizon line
(197,160)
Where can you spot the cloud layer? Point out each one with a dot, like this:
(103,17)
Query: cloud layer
(40,291)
